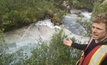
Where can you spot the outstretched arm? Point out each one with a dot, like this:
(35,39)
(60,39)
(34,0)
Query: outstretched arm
(75,45)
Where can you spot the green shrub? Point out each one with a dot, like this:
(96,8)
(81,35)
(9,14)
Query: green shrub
(54,52)
(18,13)
(99,7)
(83,4)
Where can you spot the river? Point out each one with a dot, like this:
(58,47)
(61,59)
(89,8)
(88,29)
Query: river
(27,37)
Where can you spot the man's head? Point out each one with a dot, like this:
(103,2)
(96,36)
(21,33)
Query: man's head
(101,18)
(99,27)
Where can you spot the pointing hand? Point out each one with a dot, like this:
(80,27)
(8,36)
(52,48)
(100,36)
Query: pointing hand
(68,42)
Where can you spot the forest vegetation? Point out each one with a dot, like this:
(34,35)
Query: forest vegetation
(15,14)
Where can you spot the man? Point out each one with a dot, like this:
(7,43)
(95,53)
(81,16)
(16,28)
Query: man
(95,52)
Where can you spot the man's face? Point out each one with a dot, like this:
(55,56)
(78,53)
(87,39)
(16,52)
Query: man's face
(99,31)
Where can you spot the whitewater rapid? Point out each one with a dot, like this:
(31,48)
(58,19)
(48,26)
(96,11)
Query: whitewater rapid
(27,37)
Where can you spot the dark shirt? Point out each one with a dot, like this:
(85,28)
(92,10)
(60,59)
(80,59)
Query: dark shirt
(89,49)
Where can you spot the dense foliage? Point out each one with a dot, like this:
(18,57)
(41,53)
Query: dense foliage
(83,4)
(99,7)
(18,13)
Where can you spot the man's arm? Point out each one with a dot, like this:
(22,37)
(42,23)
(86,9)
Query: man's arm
(79,46)
(75,45)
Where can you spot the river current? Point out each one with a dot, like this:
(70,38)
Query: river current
(27,37)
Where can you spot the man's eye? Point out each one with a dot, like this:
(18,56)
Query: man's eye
(93,27)
(99,28)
